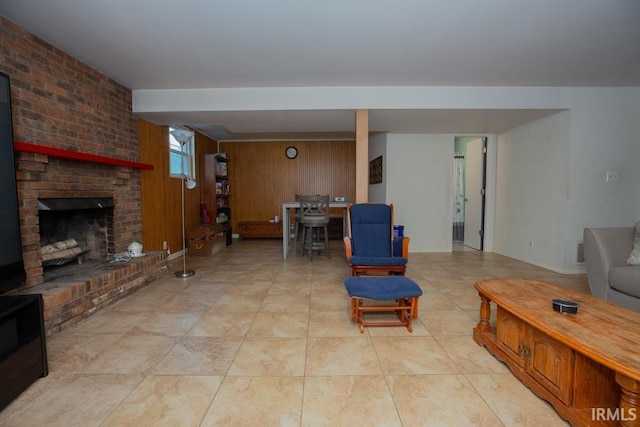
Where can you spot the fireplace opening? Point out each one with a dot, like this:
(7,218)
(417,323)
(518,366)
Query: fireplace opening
(73,230)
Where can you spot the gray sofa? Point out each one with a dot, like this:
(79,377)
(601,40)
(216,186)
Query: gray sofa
(610,278)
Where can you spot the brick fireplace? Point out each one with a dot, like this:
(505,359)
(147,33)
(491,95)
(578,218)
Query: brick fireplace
(60,103)
(55,197)
(42,177)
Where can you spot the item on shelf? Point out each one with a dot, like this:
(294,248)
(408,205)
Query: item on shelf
(221,168)
(222,217)
(205,218)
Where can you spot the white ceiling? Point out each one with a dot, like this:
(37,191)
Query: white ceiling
(165,44)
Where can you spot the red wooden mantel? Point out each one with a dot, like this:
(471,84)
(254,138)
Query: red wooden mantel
(75,155)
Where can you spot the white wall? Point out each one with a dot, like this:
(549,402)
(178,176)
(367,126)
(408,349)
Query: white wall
(551,177)
(548,183)
(599,132)
(532,191)
(605,135)
(378,147)
(418,180)
(419,184)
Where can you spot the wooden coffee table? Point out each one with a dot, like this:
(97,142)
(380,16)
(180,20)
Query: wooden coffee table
(587,365)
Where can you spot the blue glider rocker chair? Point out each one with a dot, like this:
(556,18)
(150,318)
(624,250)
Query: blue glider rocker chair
(370,244)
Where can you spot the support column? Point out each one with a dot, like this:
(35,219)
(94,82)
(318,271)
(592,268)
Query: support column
(362,156)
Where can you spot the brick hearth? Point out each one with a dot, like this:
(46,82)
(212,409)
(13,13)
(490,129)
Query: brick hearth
(74,292)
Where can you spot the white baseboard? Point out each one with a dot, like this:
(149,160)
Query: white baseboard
(578,269)
(175,255)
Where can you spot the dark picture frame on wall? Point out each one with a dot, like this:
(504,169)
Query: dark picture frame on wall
(375,170)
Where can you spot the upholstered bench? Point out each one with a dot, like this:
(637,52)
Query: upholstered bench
(404,291)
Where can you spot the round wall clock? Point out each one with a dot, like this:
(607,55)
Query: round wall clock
(291,152)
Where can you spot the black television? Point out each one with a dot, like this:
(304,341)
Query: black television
(12,274)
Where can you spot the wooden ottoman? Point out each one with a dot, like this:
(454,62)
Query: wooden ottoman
(206,240)
(404,291)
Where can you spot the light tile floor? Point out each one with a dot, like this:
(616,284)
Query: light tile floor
(252,340)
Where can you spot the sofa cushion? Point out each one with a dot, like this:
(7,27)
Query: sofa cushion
(626,280)
(634,256)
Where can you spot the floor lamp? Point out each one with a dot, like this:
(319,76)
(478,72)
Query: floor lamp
(183,137)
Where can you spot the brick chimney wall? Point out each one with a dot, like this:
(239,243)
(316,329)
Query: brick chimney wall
(58,101)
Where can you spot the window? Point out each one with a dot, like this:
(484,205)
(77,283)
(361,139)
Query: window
(181,157)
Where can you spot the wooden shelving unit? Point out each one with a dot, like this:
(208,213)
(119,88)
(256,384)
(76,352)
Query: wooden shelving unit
(216,191)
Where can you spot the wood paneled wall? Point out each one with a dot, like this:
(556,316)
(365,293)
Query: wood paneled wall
(262,177)
(161,194)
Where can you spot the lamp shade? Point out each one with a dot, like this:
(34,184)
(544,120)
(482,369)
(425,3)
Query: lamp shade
(182,136)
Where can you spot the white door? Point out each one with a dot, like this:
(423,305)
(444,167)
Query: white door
(473,169)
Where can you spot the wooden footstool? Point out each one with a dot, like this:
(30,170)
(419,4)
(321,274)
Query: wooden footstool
(404,291)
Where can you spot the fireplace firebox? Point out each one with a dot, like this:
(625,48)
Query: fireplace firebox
(88,222)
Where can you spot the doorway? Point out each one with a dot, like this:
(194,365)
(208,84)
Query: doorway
(469,192)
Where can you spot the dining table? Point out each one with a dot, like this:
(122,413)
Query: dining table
(286,227)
